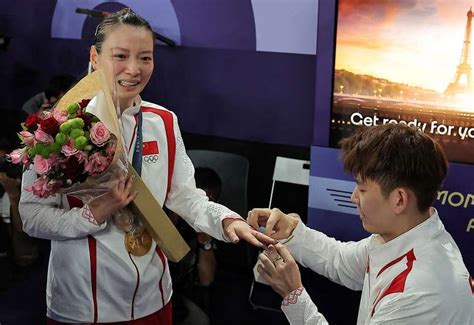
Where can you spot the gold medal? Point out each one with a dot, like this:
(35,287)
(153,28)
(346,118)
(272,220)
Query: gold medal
(138,242)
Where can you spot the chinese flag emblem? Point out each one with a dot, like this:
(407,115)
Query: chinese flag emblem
(150,148)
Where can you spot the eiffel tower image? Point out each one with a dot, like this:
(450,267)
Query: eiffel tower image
(464,66)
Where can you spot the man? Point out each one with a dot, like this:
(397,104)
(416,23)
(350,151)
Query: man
(193,275)
(58,85)
(410,270)
(24,249)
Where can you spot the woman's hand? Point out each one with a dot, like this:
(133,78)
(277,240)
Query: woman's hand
(118,197)
(279,270)
(277,224)
(237,229)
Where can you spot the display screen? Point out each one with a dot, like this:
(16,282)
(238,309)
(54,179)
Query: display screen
(405,62)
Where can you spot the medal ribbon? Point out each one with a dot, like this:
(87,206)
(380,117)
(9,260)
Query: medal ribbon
(137,153)
(138,158)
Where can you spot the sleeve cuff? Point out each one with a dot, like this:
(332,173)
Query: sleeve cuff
(90,220)
(292,297)
(297,238)
(299,309)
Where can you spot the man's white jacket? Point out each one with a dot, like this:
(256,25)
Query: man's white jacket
(416,278)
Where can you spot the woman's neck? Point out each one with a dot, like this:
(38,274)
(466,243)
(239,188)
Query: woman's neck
(128,103)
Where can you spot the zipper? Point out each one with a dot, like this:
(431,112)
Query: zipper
(136,288)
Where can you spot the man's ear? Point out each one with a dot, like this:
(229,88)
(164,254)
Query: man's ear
(94,57)
(400,199)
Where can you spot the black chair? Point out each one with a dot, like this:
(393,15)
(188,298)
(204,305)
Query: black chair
(232,273)
(232,170)
(290,175)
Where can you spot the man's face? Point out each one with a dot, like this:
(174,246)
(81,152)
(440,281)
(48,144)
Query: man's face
(376,210)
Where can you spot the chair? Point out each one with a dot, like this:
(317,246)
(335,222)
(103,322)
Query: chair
(232,259)
(289,171)
(233,172)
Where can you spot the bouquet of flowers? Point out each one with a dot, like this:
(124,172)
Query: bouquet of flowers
(66,147)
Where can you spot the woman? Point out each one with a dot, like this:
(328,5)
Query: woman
(91,276)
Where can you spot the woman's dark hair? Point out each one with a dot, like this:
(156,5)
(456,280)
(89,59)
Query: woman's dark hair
(125,16)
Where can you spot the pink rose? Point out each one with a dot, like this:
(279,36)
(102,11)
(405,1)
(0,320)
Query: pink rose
(43,187)
(28,138)
(99,134)
(19,156)
(43,137)
(68,149)
(96,164)
(81,156)
(41,165)
(60,115)
(38,187)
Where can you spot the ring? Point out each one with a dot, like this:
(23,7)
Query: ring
(277,259)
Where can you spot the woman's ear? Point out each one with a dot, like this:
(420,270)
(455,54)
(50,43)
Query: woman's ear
(94,57)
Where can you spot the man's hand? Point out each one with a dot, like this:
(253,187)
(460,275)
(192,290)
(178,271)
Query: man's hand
(277,224)
(279,270)
(236,229)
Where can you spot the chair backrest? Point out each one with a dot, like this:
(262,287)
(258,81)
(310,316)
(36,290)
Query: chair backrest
(289,170)
(233,172)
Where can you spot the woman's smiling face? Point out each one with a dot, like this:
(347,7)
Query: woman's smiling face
(126,58)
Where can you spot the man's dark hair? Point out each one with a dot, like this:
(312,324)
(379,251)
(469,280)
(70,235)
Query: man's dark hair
(58,85)
(208,180)
(396,156)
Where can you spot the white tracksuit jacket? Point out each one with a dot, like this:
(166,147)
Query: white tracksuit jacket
(416,278)
(91,276)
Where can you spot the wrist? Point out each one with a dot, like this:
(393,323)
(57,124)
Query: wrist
(88,214)
(230,219)
(97,211)
(294,220)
